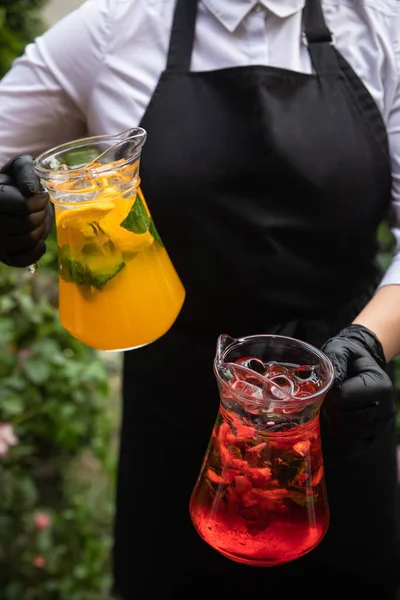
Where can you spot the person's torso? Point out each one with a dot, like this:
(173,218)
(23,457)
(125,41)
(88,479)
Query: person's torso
(137,36)
(268,184)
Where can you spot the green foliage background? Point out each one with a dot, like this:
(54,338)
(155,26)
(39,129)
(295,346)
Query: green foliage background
(20,22)
(61,398)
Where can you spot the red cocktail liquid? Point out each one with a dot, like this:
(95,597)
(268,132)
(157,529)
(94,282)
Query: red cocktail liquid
(260,498)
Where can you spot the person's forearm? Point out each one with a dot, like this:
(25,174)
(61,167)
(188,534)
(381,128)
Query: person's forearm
(382,316)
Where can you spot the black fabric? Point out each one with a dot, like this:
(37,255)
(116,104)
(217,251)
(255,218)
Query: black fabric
(182,37)
(315,27)
(267,187)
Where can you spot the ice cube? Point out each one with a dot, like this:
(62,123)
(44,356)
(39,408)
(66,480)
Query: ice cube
(242,372)
(287,386)
(254,364)
(273,369)
(304,372)
(248,389)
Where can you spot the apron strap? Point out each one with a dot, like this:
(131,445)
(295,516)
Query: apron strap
(319,40)
(182,36)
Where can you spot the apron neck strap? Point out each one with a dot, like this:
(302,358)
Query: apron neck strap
(182,36)
(315,29)
(319,40)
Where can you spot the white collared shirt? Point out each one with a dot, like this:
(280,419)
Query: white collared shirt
(96,70)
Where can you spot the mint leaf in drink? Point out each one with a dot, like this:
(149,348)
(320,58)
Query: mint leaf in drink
(301,498)
(71,270)
(80,157)
(74,271)
(137,221)
(99,280)
(155,233)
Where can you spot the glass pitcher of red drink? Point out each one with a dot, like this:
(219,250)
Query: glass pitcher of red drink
(260,498)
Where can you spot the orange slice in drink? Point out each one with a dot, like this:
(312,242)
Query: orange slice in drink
(80,216)
(74,224)
(130,243)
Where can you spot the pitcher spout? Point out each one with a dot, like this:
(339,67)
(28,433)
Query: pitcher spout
(221,368)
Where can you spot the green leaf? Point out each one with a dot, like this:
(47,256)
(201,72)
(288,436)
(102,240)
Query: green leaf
(6,304)
(67,411)
(72,270)
(7,328)
(47,349)
(154,233)
(80,571)
(3,15)
(28,491)
(16,382)
(95,372)
(37,371)
(44,541)
(301,498)
(99,280)
(28,309)
(80,157)
(14,591)
(10,405)
(138,221)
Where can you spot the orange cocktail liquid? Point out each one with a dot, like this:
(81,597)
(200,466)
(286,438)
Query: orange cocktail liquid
(118,287)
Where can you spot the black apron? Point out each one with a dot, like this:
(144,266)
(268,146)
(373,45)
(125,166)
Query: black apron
(267,187)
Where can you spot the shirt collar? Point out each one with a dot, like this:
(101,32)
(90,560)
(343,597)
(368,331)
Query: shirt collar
(232,12)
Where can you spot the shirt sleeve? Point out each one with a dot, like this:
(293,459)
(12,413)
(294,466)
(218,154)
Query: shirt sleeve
(392,275)
(45,96)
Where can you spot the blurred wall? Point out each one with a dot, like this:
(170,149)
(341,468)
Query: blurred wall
(57,9)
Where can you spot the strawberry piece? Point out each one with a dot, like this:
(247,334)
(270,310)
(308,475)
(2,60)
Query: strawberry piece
(247,499)
(302,478)
(249,513)
(224,430)
(260,477)
(317,476)
(238,463)
(256,449)
(226,458)
(280,445)
(242,484)
(229,475)
(232,498)
(301,448)
(214,478)
(243,432)
(276,494)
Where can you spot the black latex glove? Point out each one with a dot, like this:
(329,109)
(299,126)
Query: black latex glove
(360,403)
(26,215)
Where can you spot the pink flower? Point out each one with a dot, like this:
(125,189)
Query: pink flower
(25,353)
(7,438)
(42,521)
(39,561)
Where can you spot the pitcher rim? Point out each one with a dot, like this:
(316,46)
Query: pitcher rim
(43,172)
(293,402)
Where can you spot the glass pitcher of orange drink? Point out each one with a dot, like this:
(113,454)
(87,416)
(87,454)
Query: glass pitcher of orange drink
(118,288)
(260,497)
